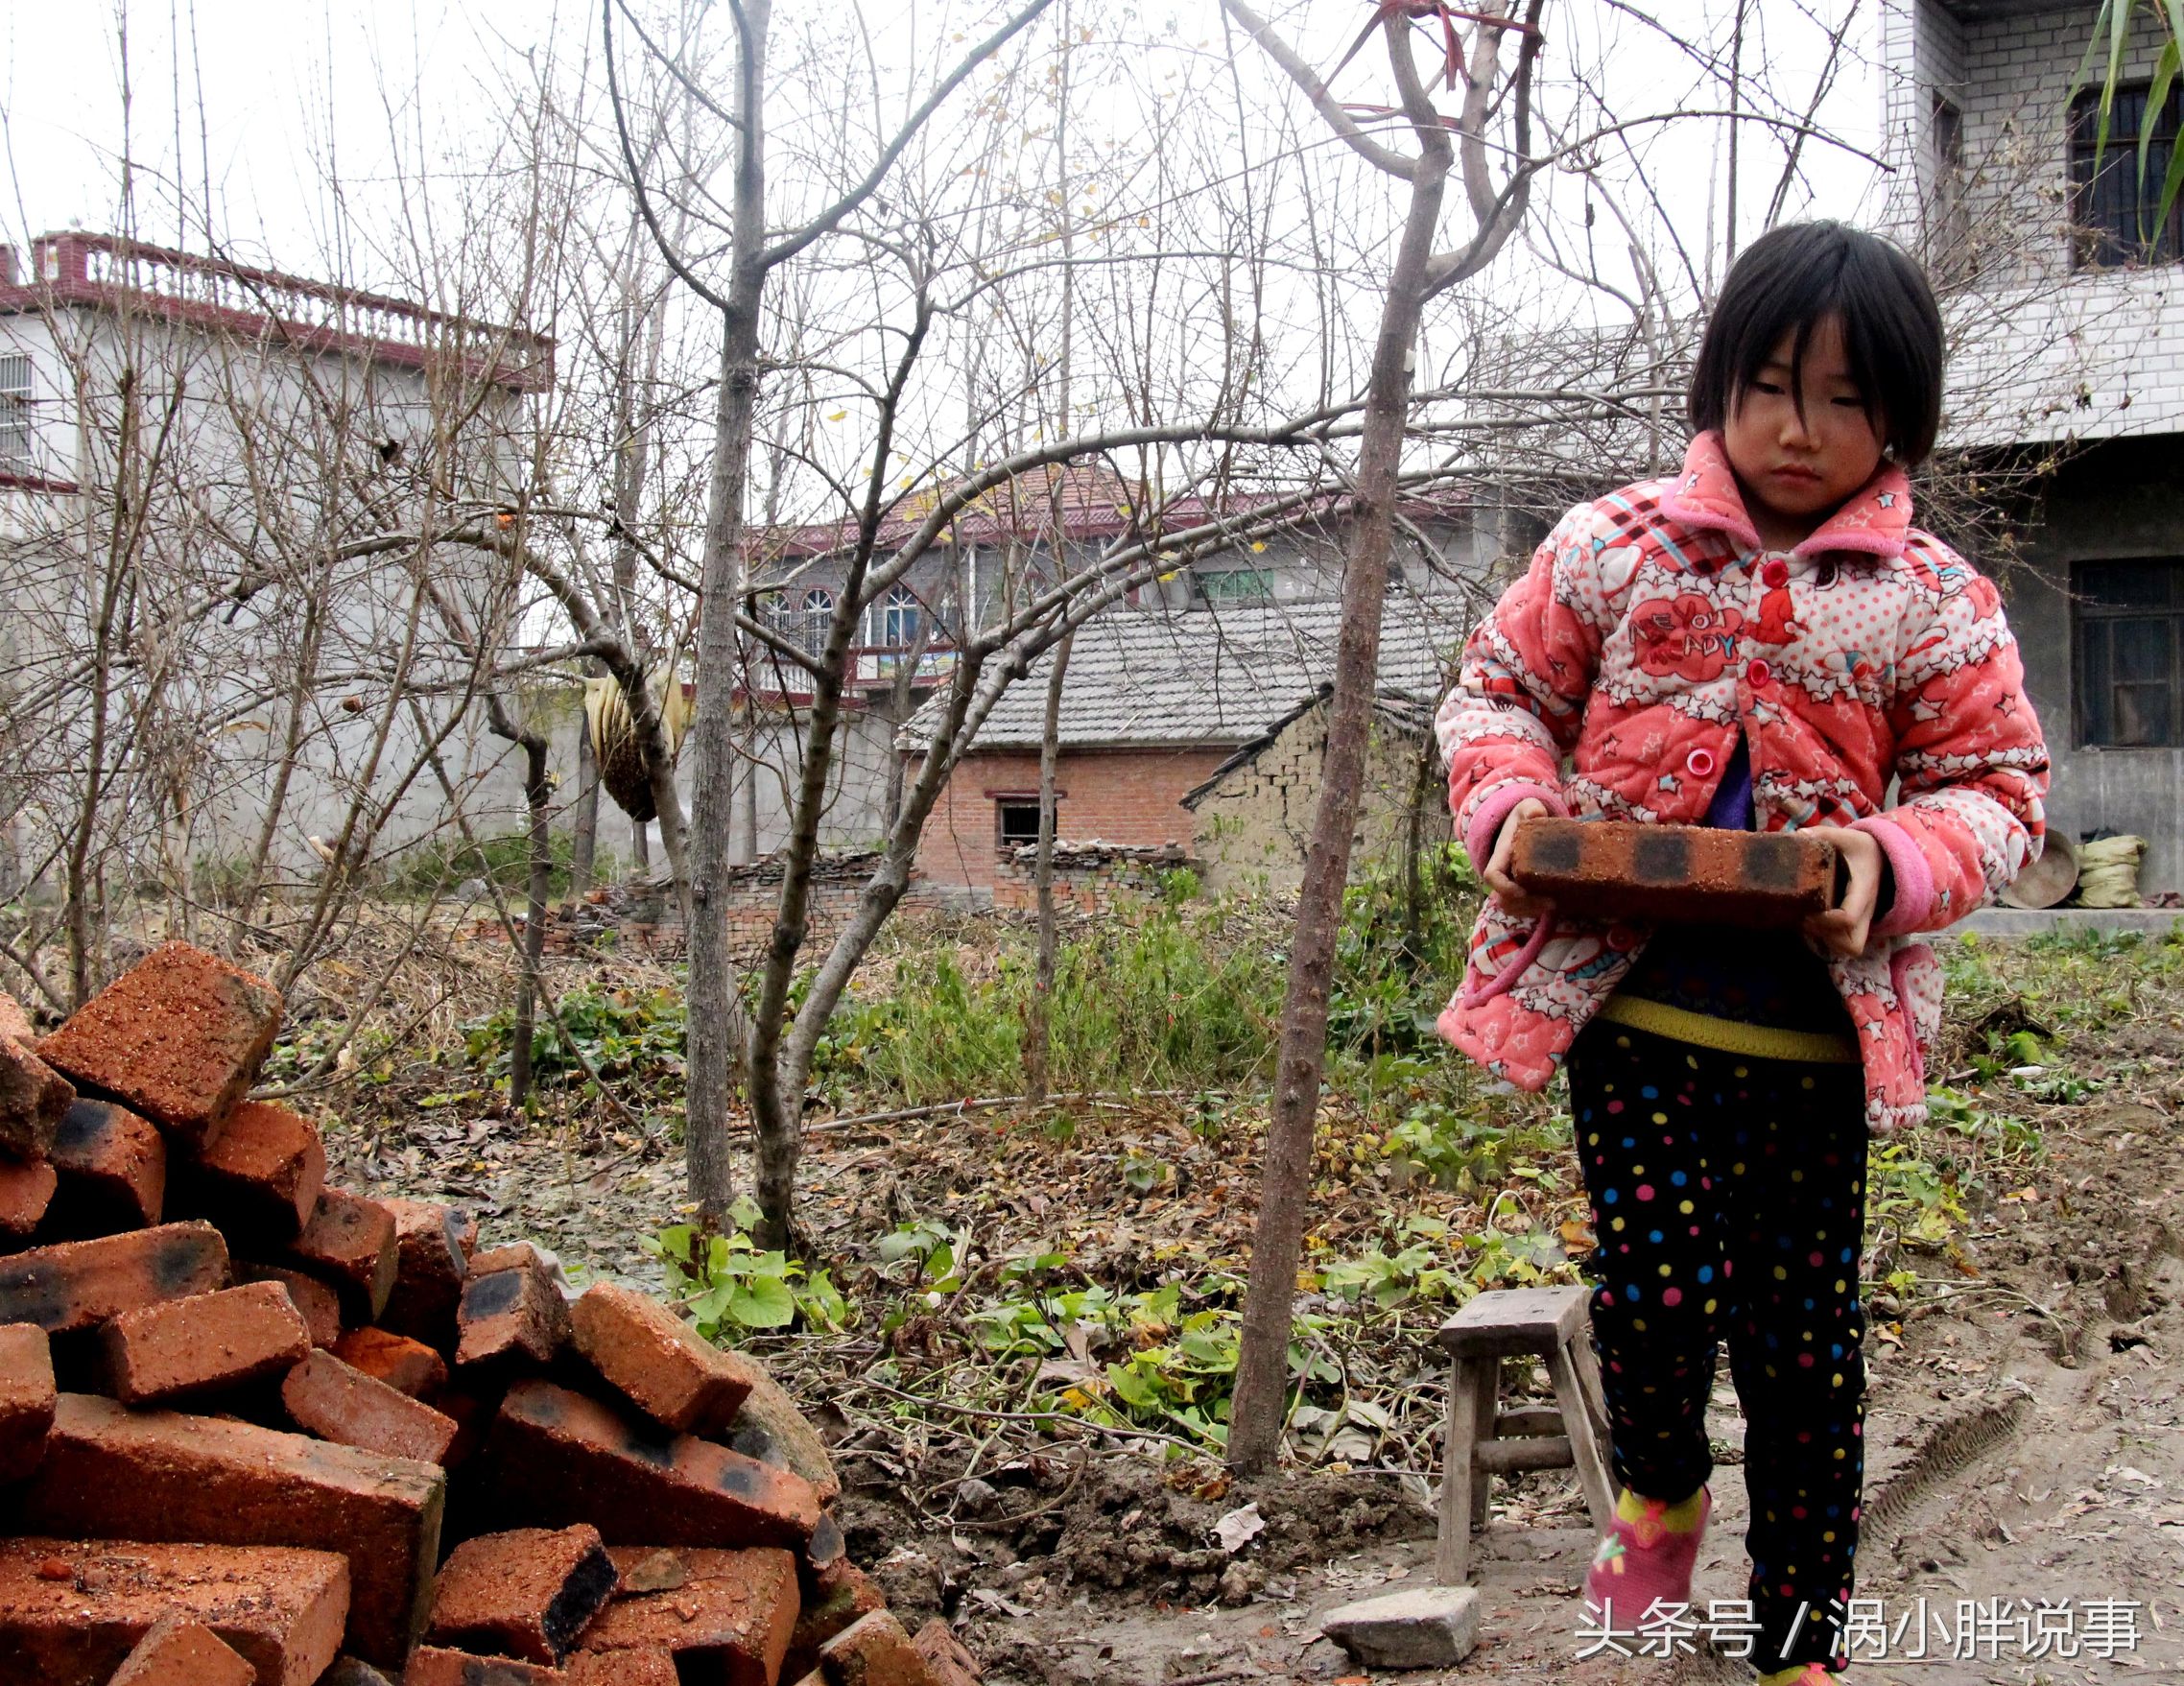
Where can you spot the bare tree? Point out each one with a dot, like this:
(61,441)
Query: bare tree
(1422,267)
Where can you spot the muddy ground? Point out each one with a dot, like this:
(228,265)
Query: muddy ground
(2025,1438)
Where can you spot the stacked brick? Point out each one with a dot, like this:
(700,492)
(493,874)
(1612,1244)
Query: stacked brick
(260,1430)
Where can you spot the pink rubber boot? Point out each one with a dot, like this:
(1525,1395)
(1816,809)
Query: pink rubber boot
(1642,1561)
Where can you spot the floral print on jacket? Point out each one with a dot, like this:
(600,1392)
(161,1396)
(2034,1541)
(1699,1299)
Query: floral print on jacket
(1612,680)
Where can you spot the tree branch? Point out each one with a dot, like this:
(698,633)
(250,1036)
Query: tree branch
(1322,101)
(824,223)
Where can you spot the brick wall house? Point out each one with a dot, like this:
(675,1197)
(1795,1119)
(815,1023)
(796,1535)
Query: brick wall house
(1158,705)
(1123,793)
(1001,550)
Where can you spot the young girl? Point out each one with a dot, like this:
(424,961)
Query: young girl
(1764,641)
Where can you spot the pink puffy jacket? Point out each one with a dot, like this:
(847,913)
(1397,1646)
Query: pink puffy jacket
(1650,628)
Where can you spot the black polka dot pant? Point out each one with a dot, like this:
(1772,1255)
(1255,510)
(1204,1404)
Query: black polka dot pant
(1728,1195)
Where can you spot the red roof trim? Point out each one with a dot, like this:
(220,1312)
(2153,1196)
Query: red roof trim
(1091,502)
(37,483)
(106,272)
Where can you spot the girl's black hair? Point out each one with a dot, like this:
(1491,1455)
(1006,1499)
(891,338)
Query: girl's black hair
(1791,279)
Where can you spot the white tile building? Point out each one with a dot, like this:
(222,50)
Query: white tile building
(189,449)
(2068,346)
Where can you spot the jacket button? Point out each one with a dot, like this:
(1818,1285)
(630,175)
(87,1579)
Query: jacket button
(1776,572)
(1759,673)
(1699,763)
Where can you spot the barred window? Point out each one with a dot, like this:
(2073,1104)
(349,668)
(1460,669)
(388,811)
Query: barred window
(15,411)
(2113,209)
(814,615)
(2129,626)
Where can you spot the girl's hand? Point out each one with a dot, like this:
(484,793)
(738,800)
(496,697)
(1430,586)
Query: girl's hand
(1845,927)
(1515,899)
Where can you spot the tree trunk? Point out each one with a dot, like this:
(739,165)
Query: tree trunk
(583,846)
(1258,1411)
(537,797)
(1039,1023)
(1425,781)
(719,1033)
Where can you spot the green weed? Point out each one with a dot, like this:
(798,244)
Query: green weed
(730,1285)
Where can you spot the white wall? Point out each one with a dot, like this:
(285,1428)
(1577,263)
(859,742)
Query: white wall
(2043,351)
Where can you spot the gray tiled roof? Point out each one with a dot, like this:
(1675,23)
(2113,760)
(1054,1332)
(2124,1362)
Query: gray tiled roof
(1213,675)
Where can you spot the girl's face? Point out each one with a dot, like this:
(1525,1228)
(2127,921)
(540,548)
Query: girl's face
(1796,470)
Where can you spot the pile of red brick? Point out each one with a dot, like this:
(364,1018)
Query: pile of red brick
(255,1429)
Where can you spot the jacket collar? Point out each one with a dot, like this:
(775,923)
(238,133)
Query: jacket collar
(1875,518)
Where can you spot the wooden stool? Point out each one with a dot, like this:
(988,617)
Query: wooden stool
(1483,1440)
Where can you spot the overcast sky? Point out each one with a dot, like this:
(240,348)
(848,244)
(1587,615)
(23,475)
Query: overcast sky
(270,102)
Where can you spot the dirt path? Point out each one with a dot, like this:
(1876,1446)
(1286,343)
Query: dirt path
(2025,1443)
(2014,1456)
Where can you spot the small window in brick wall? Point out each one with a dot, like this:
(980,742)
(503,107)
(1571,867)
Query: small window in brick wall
(2129,627)
(1016,821)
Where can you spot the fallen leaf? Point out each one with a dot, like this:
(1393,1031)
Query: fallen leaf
(1240,1527)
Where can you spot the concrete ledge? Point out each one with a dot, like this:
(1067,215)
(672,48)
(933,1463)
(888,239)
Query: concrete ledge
(2007,924)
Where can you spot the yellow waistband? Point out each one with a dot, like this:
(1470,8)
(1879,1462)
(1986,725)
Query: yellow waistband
(1730,1035)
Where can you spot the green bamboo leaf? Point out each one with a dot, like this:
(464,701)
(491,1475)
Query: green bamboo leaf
(2157,96)
(2170,187)
(2165,72)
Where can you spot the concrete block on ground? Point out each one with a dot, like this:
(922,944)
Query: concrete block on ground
(328,1398)
(34,1097)
(260,1178)
(210,1342)
(111,1472)
(527,1593)
(772,1429)
(511,1315)
(27,1398)
(1420,1627)
(319,1304)
(559,1457)
(433,1247)
(725,1616)
(657,1362)
(349,1244)
(1628,869)
(72,1611)
(78,1284)
(183,1654)
(26,1193)
(874,1650)
(179,1037)
(113,1171)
